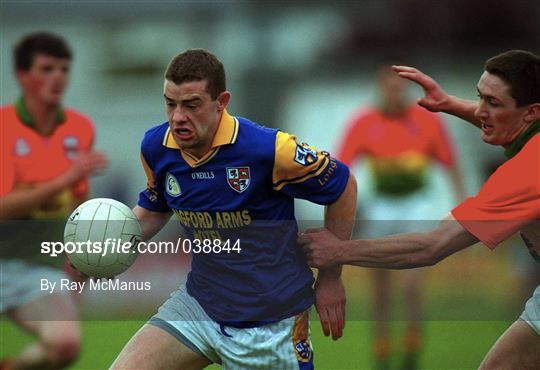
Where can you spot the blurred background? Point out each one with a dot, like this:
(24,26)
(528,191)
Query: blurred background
(304,67)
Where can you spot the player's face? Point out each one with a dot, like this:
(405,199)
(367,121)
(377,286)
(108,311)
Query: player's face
(46,80)
(392,89)
(193,115)
(502,121)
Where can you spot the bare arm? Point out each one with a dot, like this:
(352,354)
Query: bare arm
(151,222)
(339,216)
(436,99)
(402,251)
(330,293)
(20,203)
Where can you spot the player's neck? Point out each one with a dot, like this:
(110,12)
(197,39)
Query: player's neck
(43,115)
(393,110)
(519,134)
(198,152)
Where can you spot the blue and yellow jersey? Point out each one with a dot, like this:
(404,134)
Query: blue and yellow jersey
(244,188)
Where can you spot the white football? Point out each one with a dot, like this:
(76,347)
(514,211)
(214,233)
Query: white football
(96,237)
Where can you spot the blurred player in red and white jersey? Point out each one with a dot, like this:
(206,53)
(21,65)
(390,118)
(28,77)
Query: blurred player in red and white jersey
(46,159)
(401,141)
(508,113)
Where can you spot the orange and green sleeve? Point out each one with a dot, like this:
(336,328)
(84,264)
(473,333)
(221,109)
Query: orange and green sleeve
(508,201)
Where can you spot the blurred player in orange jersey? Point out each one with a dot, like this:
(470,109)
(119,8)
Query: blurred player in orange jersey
(400,140)
(46,159)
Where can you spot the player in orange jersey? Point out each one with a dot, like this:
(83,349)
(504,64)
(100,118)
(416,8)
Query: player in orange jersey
(46,159)
(508,113)
(401,141)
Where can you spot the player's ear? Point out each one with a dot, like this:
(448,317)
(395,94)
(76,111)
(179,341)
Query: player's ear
(223,100)
(533,113)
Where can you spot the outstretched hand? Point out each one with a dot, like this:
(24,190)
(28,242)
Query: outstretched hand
(321,246)
(86,164)
(435,98)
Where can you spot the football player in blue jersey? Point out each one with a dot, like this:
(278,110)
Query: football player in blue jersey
(231,183)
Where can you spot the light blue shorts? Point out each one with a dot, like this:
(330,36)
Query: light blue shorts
(386,215)
(283,345)
(20,282)
(531,314)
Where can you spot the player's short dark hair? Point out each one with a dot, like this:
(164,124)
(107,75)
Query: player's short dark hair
(197,65)
(39,43)
(521,70)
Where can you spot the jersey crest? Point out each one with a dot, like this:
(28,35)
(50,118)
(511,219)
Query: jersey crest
(171,186)
(22,148)
(305,155)
(71,143)
(238,178)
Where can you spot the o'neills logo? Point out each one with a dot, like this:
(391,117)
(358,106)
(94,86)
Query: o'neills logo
(204,175)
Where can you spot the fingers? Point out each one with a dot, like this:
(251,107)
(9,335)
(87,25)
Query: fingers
(330,304)
(99,159)
(305,244)
(304,238)
(430,106)
(403,69)
(323,315)
(421,102)
(315,230)
(407,71)
(414,75)
(336,322)
(72,272)
(343,315)
(93,162)
(310,261)
(332,320)
(99,166)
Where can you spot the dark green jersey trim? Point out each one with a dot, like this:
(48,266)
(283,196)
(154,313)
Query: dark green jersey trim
(26,117)
(522,139)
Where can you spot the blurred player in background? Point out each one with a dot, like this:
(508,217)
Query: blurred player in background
(400,140)
(226,177)
(46,158)
(508,113)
